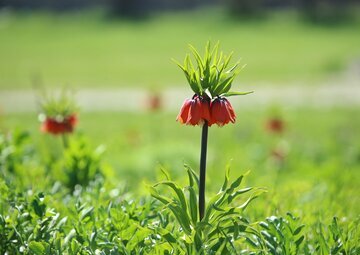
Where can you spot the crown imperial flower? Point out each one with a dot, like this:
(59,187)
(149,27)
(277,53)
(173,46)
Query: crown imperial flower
(58,114)
(221,112)
(58,126)
(194,111)
(211,80)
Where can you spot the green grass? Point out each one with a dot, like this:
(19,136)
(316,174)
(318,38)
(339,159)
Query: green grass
(88,50)
(321,167)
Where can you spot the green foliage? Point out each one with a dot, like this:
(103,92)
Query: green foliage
(57,106)
(38,214)
(223,228)
(28,226)
(212,74)
(336,238)
(14,150)
(281,235)
(62,47)
(80,164)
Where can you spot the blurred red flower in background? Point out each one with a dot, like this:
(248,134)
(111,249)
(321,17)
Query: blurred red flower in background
(221,112)
(56,127)
(154,102)
(194,111)
(275,125)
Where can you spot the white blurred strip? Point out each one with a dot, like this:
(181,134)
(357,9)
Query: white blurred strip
(172,98)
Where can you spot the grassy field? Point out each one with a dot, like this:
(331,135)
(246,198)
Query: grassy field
(87,49)
(320,148)
(73,201)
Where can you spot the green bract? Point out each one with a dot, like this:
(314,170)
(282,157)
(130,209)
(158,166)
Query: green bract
(58,106)
(211,75)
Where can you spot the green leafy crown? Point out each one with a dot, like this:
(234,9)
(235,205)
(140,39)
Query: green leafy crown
(211,75)
(58,106)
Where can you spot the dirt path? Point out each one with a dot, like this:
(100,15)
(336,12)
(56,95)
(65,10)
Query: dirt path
(335,93)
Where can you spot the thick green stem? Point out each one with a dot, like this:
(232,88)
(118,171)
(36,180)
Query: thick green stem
(65,141)
(204,138)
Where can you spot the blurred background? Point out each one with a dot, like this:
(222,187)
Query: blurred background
(129,44)
(302,61)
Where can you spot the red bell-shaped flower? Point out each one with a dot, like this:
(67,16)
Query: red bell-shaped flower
(194,111)
(221,112)
(55,127)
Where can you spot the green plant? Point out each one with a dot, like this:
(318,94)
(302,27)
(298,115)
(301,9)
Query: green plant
(211,81)
(80,164)
(223,228)
(280,235)
(14,150)
(335,238)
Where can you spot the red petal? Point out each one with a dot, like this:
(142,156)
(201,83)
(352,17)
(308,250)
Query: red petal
(194,117)
(232,115)
(184,111)
(205,112)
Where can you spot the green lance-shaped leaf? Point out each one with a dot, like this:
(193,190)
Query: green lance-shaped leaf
(165,173)
(299,241)
(86,213)
(298,229)
(233,68)
(188,71)
(193,177)
(179,213)
(226,180)
(228,85)
(211,206)
(37,248)
(69,236)
(195,82)
(254,196)
(214,78)
(197,57)
(237,193)
(182,218)
(234,93)
(235,184)
(215,53)
(178,191)
(193,206)
(155,194)
(220,88)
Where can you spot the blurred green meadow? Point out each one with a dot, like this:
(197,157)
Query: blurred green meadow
(311,168)
(88,49)
(319,153)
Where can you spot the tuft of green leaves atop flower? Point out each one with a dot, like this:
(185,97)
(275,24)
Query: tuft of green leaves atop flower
(58,106)
(212,74)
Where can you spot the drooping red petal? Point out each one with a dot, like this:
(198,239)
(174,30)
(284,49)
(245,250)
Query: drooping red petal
(221,112)
(194,117)
(55,127)
(205,110)
(72,119)
(232,115)
(184,112)
(216,112)
(69,123)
